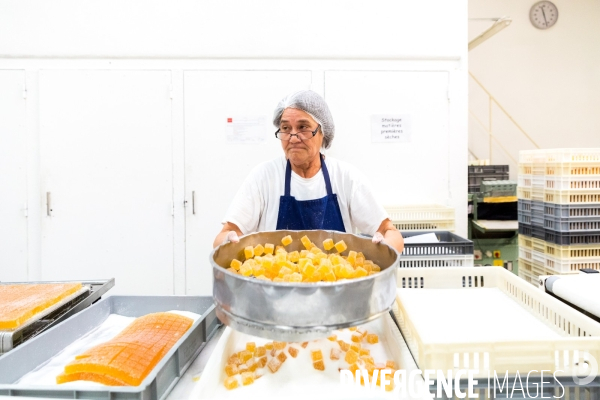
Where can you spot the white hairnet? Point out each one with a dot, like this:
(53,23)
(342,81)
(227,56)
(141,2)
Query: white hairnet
(313,104)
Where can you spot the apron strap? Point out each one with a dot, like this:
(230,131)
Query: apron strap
(288,177)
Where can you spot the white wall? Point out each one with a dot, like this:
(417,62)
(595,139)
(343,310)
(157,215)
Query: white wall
(106,42)
(548,80)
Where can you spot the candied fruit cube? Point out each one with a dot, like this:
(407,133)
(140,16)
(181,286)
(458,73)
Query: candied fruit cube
(242,368)
(362,332)
(335,354)
(260,351)
(251,347)
(249,252)
(231,382)
(280,259)
(372,338)
(279,345)
(246,270)
(296,277)
(233,271)
(328,244)
(356,337)
(262,362)
(231,369)
(274,364)
(284,271)
(316,355)
(258,270)
(269,248)
(355,347)
(235,264)
(234,359)
(247,378)
(304,345)
(309,269)
(390,364)
(330,277)
(245,355)
(287,240)
(364,352)
(336,260)
(281,357)
(263,278)
(306,242)
(343,345)
(251,364)
(278,279)
(332,338)
(294,256)
(273,352)
(359,262)
(351,257)
(360,272)
(293,351)
(316,251)
(287,277)
(259,250)
(319,365)
(269,346)
(353,368)
(376,268)
(341,246)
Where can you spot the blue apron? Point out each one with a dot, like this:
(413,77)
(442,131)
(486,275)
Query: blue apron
(323,213)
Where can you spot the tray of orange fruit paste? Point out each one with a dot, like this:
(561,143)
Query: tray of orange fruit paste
(29,308)
(134,347)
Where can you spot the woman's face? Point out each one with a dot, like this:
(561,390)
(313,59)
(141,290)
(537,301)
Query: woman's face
(298,151)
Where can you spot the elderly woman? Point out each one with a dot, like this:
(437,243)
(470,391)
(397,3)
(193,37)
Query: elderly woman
(304,189)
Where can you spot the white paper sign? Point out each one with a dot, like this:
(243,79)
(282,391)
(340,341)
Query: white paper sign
(247,129)
(391,128)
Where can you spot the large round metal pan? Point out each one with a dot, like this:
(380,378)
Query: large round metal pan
(301,311)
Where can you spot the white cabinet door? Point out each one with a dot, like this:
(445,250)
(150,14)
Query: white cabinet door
(13,177)
(216,164)
(400,173)
(106,166)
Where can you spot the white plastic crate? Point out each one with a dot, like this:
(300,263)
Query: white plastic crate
(578,252)
(437,261)
(524,180)
(424,217)
(524,193)
(571,155)
(573,168)
(580,196)
(525,168)
(575,332)
(577,182)
(571,265)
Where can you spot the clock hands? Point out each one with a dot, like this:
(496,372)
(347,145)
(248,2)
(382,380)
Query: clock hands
(544,14)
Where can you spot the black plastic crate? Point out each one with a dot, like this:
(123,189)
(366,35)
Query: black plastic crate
(525,229)
(572,238)
(449,244)
(538,232)
(488,169)
(476,179)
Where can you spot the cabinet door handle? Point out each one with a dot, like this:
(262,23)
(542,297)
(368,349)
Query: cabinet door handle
(48,204)
(193,203)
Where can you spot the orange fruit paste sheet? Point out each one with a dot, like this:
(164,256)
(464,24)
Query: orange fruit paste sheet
(130,356)
(18,303)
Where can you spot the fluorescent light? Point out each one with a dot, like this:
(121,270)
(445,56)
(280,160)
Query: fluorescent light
(498,25)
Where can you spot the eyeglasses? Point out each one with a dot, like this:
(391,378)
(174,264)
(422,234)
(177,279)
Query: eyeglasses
(286,134)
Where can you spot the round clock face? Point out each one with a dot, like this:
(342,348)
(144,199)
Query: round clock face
(543,14)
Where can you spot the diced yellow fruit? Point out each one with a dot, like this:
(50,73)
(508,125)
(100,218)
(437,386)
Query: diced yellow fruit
(304,345)
(235,264)
(315,250)
(231,382)
(306,242)
(302,262)
(251,347)
(279,248)
(231,369)
(343,345)
(251,365)
(341,246)
(376,268)
(281,357)
(326,262)
(390,364)
(233,271)
(352,328)
(279,345)
(242,368)
(367,359)
(330,277)
(335,354)
(259,250)
(360,272)
(269,346)
(234,359)
(245,355)
(351,356)
(294,256)
(258,270)
(267,264)
(246,270)
(355,347)
(333,338)
(280,259)
(356,338)
(286,240)
(319,365)
(372,338)
(303,253)
(359,262)
(284,271)
(364,352)
(247,378)
(249,252)
(328,244)
(293,351)
(269,248)
(351,257)
(316,355)
(274,364)
(296,277)
(286,278)
(262,362)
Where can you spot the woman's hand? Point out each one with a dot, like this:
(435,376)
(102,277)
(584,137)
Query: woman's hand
(229,233)
(392,236)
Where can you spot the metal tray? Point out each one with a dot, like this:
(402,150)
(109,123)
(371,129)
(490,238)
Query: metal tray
(55,314)
(157,384)
(299,311)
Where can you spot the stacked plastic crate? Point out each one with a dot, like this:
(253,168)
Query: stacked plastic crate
(481,173)
(559,211)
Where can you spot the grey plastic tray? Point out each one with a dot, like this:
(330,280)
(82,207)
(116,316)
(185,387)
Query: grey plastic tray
(157,384)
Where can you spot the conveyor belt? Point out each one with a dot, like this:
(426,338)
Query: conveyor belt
(579,291)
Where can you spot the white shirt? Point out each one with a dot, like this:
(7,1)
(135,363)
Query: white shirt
(256,205)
